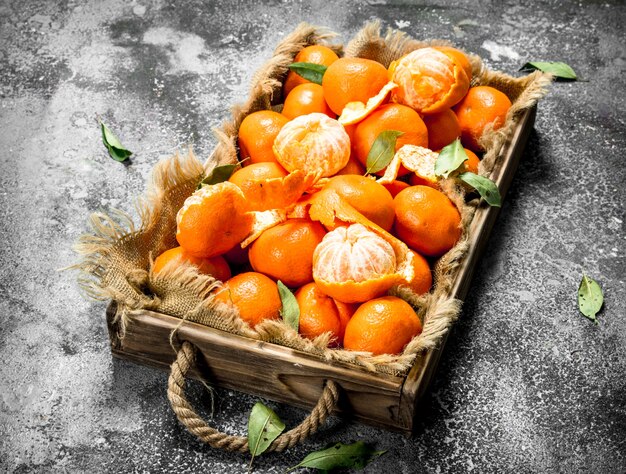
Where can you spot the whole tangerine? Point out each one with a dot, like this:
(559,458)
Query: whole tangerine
(257,133)
(306,99)
(214,266)
(314,54)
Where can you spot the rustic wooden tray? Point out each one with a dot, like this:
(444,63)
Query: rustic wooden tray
(286,375)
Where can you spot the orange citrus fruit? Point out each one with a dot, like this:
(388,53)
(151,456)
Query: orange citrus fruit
(459,57)
(366,196)
(471,164)
(443,128)
(319,313)
(237,255)
(382,326)
(352,80)
(254,295)
(482,106)
(426,220)
(353,167)
(315,54)
(428,81)
(423,278)
(256,172)
(213,220)
(395,187)
(257,133)
(353,264)
(389,117)
(306,99)
(285,252)
(313,143)
(215,266)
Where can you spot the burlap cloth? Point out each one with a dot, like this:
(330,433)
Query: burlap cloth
(117,256)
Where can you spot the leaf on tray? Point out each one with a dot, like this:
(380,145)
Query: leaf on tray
(113,144)
(310,71)
(450,158)
(264,426)
(218,175)
(290,312)
(558,69)
(356,455)
(382,150)
(590,298)
(484,186)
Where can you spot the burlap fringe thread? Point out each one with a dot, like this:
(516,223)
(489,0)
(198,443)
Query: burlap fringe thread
(117,257)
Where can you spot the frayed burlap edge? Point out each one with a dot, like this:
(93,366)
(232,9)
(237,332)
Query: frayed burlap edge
(117,257)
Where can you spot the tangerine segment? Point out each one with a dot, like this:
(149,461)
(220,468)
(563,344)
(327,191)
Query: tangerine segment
(354,112)
(389,117)
(352,80)
(316,54)
(254,295)
(428,81)
(313,143)
(257,133)
(427,220)
(418,159)
(213,220)
(320,314)
(366,196)
(306,99)
(172,258)
(382,326)
(285,252)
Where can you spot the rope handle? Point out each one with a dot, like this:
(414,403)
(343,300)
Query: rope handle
(186,359)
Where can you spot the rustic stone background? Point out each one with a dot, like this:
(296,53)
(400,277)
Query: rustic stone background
(526,383)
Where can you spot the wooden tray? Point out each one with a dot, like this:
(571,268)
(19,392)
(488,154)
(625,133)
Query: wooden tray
(286,375)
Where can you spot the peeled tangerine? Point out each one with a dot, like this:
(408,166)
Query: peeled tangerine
(353,264)
(313,143)
(428,80)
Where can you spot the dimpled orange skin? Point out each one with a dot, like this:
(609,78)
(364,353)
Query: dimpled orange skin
(382,326)
(395,187)
(426,220)
(366,196)
(320,313)
(423,278)
(306,99)
(256,136)
(215,266)
(257,172)
(443,128)
(352,80)
(481,106)
(285,252)
(389,117)
(254,295)
(315,54)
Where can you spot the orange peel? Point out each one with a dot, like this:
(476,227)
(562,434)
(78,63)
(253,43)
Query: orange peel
(356,111)
(417,159)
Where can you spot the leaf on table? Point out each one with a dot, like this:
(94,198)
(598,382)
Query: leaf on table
(290,311)
(590,298)
(356,455)
(309,71)
(450,158)
(559,70)
(117,151)
(264,426)
(484,186)
(218,175)
(382,150)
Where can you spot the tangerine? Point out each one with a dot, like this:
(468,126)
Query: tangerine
(215,266)
(443,128)
(285,252)
(257,133)
(382,326)
(482,106)
(459,57)
(315,54)
(423,278)
(254,295)
(426,220)
(306,99)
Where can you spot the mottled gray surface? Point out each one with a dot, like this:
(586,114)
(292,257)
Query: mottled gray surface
(526,383)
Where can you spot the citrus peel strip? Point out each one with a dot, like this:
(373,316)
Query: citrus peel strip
(354,112)
(417,159)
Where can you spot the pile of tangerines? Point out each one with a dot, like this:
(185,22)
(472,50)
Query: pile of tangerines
(307,207)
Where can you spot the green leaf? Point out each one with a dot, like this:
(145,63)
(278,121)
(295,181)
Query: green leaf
(113,144)
(264,426)
(450,158)
(290,312)
(557,69)
(310,71)
(356,455)
(218,175)
(590,297)
(485,187)
(382,151)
